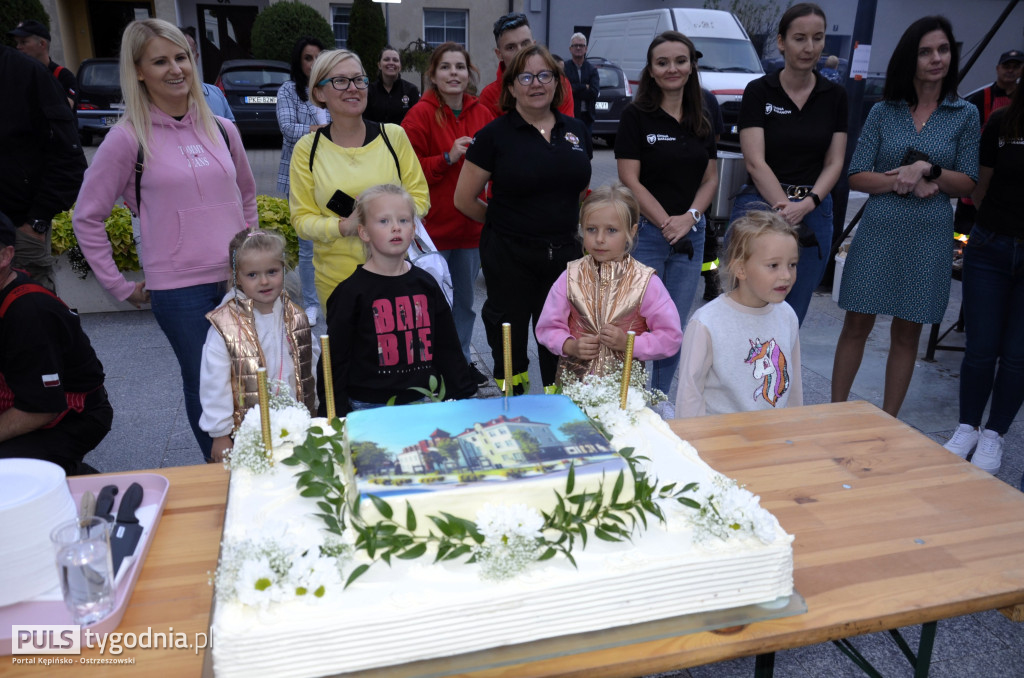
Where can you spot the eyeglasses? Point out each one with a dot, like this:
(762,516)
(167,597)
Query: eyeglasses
(507,22)
(578,44)
(544,77)
(341,83)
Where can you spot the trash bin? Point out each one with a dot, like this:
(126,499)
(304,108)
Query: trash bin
(732,174)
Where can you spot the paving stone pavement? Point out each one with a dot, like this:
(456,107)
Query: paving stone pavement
(150,431)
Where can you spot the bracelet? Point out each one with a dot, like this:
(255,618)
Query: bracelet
(814,196)
(447,158)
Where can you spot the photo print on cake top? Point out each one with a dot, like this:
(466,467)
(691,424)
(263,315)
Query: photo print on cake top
(468,445)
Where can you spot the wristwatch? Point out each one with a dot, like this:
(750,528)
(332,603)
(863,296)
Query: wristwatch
(40,225)
(934,173)
(695,213)
(814,196)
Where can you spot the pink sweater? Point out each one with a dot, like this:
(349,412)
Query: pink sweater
(657,308)
(195,196)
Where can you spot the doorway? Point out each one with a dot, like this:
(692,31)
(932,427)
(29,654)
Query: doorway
(108,21)
(225,32)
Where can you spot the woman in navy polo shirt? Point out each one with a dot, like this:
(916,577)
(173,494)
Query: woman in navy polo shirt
(538,161)
(793,137)
(665,151)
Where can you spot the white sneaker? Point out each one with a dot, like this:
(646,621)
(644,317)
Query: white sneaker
(312,312)
(965,437)
(989,455)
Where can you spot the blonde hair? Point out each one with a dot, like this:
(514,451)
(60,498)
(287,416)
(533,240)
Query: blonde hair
(322,67)
(616,195)
(137,35)
(362,206)
(741,236)
(254,240)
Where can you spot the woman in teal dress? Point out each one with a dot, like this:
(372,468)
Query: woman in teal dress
(918,149)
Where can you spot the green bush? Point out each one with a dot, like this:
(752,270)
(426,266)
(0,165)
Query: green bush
(367,33)
(278,27)
(13,12)
(274,216)
(470,477)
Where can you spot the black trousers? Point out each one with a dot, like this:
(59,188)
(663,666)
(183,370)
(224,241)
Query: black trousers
(67,443)
(519,273)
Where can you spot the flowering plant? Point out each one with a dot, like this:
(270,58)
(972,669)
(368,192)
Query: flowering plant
(512,538)
(257,572)
(289,423)
(599,395)
(729,510)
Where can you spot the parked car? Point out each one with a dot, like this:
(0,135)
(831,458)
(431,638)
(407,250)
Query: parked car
(100,104)
(614,96)
(250,86)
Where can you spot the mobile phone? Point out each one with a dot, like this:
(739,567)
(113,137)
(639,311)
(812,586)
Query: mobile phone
(341,203)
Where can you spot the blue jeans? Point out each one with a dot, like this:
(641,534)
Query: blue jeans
(813,260)
(680,274)
(307,274)
(994,322)
(464,265)
(181,314)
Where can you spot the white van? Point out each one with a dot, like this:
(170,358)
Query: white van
(728,63)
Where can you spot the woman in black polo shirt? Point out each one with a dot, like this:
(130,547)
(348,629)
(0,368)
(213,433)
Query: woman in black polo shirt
(665,150)
(793,136)
(538,161)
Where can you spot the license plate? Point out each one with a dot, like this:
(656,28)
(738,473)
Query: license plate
(600,105)
(110,121)
(261,100)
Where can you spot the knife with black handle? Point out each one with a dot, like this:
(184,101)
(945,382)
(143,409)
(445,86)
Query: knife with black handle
(105,502)
(124,537)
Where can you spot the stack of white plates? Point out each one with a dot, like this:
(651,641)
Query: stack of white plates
(34,498)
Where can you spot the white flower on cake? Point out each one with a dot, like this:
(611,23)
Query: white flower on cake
(728,511)
(600,396)
(257,573)
(511,539)
(289,424)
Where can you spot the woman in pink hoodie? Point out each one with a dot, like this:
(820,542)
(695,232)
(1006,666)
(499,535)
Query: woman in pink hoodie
(441,127)
(193,191)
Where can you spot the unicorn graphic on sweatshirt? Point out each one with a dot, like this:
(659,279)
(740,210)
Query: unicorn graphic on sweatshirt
(770,367)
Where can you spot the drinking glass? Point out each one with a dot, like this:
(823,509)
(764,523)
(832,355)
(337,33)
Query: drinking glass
(85,568)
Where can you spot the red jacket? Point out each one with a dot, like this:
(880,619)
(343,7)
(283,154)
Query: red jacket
(489,96)
(448,227)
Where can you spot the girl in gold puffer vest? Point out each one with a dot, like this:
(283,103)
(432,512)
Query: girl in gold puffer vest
(256,326)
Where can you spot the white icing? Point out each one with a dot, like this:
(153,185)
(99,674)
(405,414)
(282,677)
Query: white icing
(418,610)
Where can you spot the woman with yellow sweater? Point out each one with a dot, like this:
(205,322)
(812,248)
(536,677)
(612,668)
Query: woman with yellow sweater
(332,166)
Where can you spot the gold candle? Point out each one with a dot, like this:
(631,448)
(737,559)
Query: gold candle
(325,360)
(627,369)
(261,382)
(506,354)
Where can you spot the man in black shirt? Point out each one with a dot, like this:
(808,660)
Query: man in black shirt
(41,160)
(52,402)
(33,39)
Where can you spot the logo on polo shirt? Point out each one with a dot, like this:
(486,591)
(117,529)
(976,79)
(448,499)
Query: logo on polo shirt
(654,138)
(778,110)
(574,140)
(51,380)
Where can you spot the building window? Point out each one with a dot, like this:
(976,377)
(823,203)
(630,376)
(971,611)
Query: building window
(339,20)
(443,25)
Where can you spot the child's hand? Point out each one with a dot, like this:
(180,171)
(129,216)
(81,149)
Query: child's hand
(585,348)
(613,337)
(221,444)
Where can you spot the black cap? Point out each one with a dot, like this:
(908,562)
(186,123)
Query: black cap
(1012,55)
(30,27)
(8,234)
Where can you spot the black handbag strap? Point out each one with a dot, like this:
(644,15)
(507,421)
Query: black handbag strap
(140,164)
(394,156)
